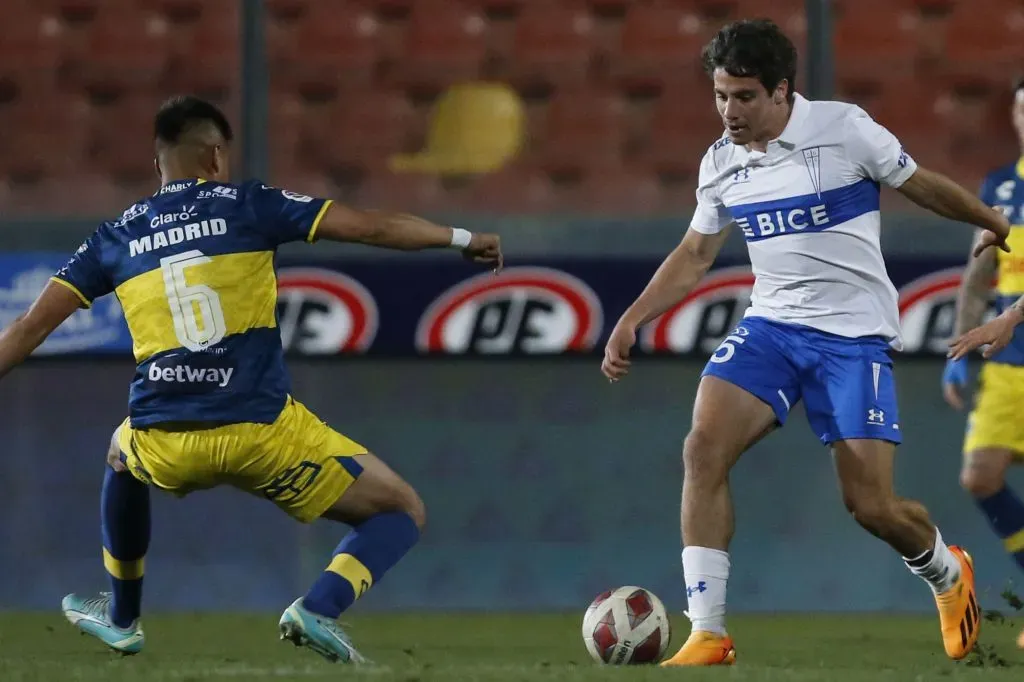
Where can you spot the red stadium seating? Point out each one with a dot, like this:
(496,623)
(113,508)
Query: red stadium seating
(619,111)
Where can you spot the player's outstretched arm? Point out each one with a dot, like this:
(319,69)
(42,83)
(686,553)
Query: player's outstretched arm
(678,274)
(55,304)
(942,196)
(971,303)
(406,232)
(996,335)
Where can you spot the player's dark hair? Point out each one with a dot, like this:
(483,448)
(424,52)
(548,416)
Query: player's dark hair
(179,115)
(753,48)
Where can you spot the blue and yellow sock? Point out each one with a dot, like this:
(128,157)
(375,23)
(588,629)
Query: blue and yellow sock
(124,512)
(360,561)
(1005,513)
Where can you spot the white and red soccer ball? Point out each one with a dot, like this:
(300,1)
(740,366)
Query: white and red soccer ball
(627,626)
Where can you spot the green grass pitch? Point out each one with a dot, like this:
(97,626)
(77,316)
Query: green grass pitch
(496,648)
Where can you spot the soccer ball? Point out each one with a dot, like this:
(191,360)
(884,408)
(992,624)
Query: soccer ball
(627,626)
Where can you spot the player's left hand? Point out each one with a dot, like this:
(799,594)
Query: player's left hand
(486,249)
(996,237)
(996,334)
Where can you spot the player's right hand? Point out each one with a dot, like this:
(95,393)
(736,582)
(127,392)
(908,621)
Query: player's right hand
(954,379)
(996,236)
(485,248)
(616,352)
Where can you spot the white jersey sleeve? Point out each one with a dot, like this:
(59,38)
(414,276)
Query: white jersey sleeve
(711,216)
(876,152)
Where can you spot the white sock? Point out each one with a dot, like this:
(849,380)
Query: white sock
(706,572)
(937,567)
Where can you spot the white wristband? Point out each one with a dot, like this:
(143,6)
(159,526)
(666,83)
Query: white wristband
(460,238)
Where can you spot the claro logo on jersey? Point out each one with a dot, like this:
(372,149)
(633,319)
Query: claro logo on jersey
(323,312)
(527,310)
(928,311)
(705,317)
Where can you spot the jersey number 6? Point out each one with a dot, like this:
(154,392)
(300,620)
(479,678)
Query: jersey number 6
(195,308)
(727,349)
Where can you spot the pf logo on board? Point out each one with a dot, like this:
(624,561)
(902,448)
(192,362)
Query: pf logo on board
(323,312)
(928,311)
(700,322)
(524,310)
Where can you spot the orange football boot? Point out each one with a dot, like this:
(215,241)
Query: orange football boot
(1020,640)
(959,614)
(703,648)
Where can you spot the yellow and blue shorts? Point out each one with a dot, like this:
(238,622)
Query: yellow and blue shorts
(996,420)
(297,462)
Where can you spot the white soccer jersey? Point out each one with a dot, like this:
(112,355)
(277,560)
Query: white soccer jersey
(809,210)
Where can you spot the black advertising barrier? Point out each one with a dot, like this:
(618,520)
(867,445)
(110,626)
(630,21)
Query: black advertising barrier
(419,305)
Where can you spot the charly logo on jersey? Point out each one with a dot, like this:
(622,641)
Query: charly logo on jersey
(705,317)
(529,310)
(324,312)
(173,187)
(185,214)
(96,328)
(928,311)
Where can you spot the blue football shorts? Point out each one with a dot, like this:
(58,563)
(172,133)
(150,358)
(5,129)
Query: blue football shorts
(846,384)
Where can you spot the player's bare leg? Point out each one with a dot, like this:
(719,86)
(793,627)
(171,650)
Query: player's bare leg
(386,516)
(726,422)
(865,470)
(984,476)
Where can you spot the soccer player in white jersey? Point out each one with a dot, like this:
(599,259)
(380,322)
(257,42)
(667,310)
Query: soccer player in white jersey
(801,180)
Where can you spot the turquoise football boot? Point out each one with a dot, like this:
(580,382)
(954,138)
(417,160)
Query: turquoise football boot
(92,617)
(323,635)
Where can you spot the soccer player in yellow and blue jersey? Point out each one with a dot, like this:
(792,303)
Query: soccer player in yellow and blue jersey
(210,404)
(995,430)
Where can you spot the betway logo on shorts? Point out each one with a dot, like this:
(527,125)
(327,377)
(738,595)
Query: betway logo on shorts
(185,374)
(177,235)
(928,311)
(706,316)
(323,312)
(529,310)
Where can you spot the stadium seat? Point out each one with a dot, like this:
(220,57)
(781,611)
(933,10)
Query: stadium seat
(383,189)
(28,48)
(475,128)
(517,188)
(121,139)
(659,44)
(125,50)
(985,35)
(615,189)
(682,127)
(206,57)
(334,47)
(445,43)
(865,43)
(582,129)
(361,129)
(50,138)
(552,46)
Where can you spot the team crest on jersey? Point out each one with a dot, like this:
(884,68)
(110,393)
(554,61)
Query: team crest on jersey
(528,310)
(301,198)
(812,160)
(323,312)
(131,213)
(701,320)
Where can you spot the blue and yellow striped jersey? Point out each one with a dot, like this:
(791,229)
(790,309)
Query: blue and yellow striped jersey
(1004,189)
(193,269)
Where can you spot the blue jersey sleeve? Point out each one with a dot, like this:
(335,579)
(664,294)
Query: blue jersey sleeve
(84,273)
(987,191)
(286,216)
